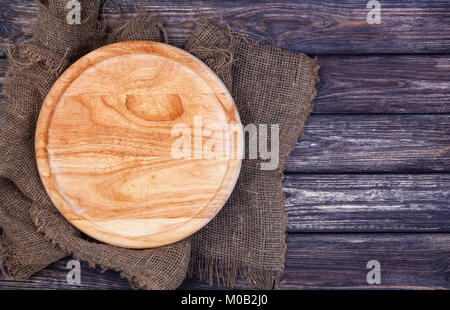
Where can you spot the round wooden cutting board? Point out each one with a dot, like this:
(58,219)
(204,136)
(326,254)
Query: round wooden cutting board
(138,144)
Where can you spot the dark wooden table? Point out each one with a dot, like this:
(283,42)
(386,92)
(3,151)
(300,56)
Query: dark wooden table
(370,179)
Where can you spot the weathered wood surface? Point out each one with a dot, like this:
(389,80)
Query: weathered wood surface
(339,260)
(404,159)
(413,261)
(372,143)
(312,26)
(368,202)
(383,84)
(377,84)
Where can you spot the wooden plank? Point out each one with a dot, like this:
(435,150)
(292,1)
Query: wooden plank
(368,203)
(383,84)
(372,143)
(316,27)
(313,261)
(414,261)
(54,277)
(377,84)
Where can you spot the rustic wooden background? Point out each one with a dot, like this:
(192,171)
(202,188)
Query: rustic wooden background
(371,177)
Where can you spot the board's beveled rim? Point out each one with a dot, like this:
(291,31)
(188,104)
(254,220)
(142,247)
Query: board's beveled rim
(41,140)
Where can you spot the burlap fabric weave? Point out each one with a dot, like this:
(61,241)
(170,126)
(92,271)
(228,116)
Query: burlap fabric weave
(269,85)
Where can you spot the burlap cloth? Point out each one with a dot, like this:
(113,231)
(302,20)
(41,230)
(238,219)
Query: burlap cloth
(269,85)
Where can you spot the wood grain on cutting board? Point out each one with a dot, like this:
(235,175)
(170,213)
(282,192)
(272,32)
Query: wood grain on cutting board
(107,144)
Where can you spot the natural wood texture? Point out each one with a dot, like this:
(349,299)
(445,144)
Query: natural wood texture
(376,84)
(417,261)
(325,190)
(372,143)
(105,144)
(383,84)
(368,202)
(414,261)
(54,277)
(311,26)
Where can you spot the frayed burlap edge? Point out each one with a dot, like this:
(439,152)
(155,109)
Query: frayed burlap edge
(208,269)
(8,259)
(136,280)
(141,20)
(226,272)
(212,270)
(54,64)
